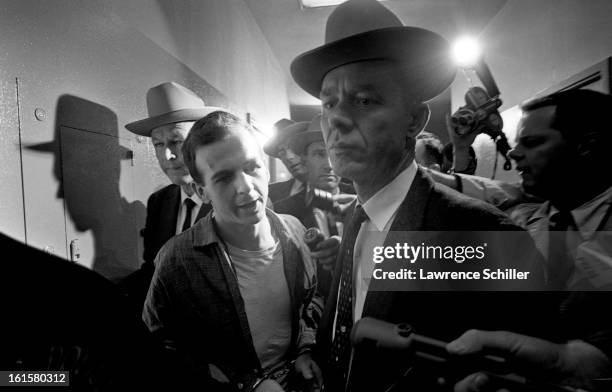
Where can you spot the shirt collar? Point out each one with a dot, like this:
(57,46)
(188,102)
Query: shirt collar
(381,207)
(204,230)
(196,199)
(587,217)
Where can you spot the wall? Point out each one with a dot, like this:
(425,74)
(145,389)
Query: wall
(86,65)
(532,45)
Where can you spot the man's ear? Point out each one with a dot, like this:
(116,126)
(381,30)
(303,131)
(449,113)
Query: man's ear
(420,116)
(201,192)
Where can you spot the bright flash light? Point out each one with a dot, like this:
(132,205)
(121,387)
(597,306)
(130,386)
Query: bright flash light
(466,52)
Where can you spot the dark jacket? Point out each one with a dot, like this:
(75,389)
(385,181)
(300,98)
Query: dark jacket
(441,311)
(194,302)
(162,212)
(280,190)
(296,206)
(58,315)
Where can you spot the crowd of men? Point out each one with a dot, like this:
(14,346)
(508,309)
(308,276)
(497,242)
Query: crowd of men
(235,299)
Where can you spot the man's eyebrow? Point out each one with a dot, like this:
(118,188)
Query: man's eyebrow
(221,174)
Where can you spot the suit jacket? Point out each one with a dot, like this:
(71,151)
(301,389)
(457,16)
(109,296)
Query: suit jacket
(81,323)
(280,190)
(296,205)
(162,213)
(443,313)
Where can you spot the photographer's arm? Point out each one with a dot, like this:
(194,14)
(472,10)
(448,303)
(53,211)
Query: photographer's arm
(575,363)
(501,194)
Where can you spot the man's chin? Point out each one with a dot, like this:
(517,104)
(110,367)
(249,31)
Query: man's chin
(180,180)
(252,215)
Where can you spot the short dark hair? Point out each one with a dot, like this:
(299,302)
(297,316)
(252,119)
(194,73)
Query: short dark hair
(578,112)
(215,127)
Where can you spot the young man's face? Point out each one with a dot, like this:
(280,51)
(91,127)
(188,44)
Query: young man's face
(235,178)
(167,141)
(320,173)
(365,119)
(542,156)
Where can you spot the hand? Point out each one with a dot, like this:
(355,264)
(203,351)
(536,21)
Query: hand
(575,363)
(327,252)
(309,370)
(269,386)
(459,141)
(461,146)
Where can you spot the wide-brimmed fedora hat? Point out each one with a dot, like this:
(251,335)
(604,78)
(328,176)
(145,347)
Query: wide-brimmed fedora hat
(361,30)
(170,103)
(300,141)
(284,130)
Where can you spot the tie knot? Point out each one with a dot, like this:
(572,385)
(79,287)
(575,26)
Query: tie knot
(189,204)
(359,216)
(560,221)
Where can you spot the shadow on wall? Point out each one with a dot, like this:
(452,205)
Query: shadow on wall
(89,164)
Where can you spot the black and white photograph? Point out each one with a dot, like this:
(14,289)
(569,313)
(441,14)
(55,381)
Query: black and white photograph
(306,195)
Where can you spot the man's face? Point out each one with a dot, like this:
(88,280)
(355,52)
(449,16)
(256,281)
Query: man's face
(167,141)
(320,173)
(292,161)
(235,178)
(542,156)
(365,119)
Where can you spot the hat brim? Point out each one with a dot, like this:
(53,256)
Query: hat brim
(271,147)
(299,142)
(423,55)
(144,127)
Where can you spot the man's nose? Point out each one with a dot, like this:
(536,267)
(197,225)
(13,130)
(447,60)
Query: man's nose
(243,183)
(170,154)
(327,165)
(515,154)
(339,118)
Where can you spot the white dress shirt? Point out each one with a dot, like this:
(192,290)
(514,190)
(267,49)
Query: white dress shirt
(183,210)
(381,210)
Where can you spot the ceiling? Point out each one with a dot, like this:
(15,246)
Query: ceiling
(291,31)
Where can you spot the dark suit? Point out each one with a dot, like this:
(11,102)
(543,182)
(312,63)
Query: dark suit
(162,213)
(296,205)
(280,190)
(58,315)
(443,314)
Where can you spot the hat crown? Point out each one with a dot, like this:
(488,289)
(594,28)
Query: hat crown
(358,16)
(170,97)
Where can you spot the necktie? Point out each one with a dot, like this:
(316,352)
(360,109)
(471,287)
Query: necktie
(341,347)
(189,204)
(559,264)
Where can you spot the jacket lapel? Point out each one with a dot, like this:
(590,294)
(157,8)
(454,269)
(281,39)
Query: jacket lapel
(410,217)
(169,212)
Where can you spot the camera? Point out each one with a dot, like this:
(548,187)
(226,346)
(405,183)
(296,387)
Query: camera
(431,354)
(481,112)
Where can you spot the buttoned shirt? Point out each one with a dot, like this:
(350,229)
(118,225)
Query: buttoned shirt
(589,240)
